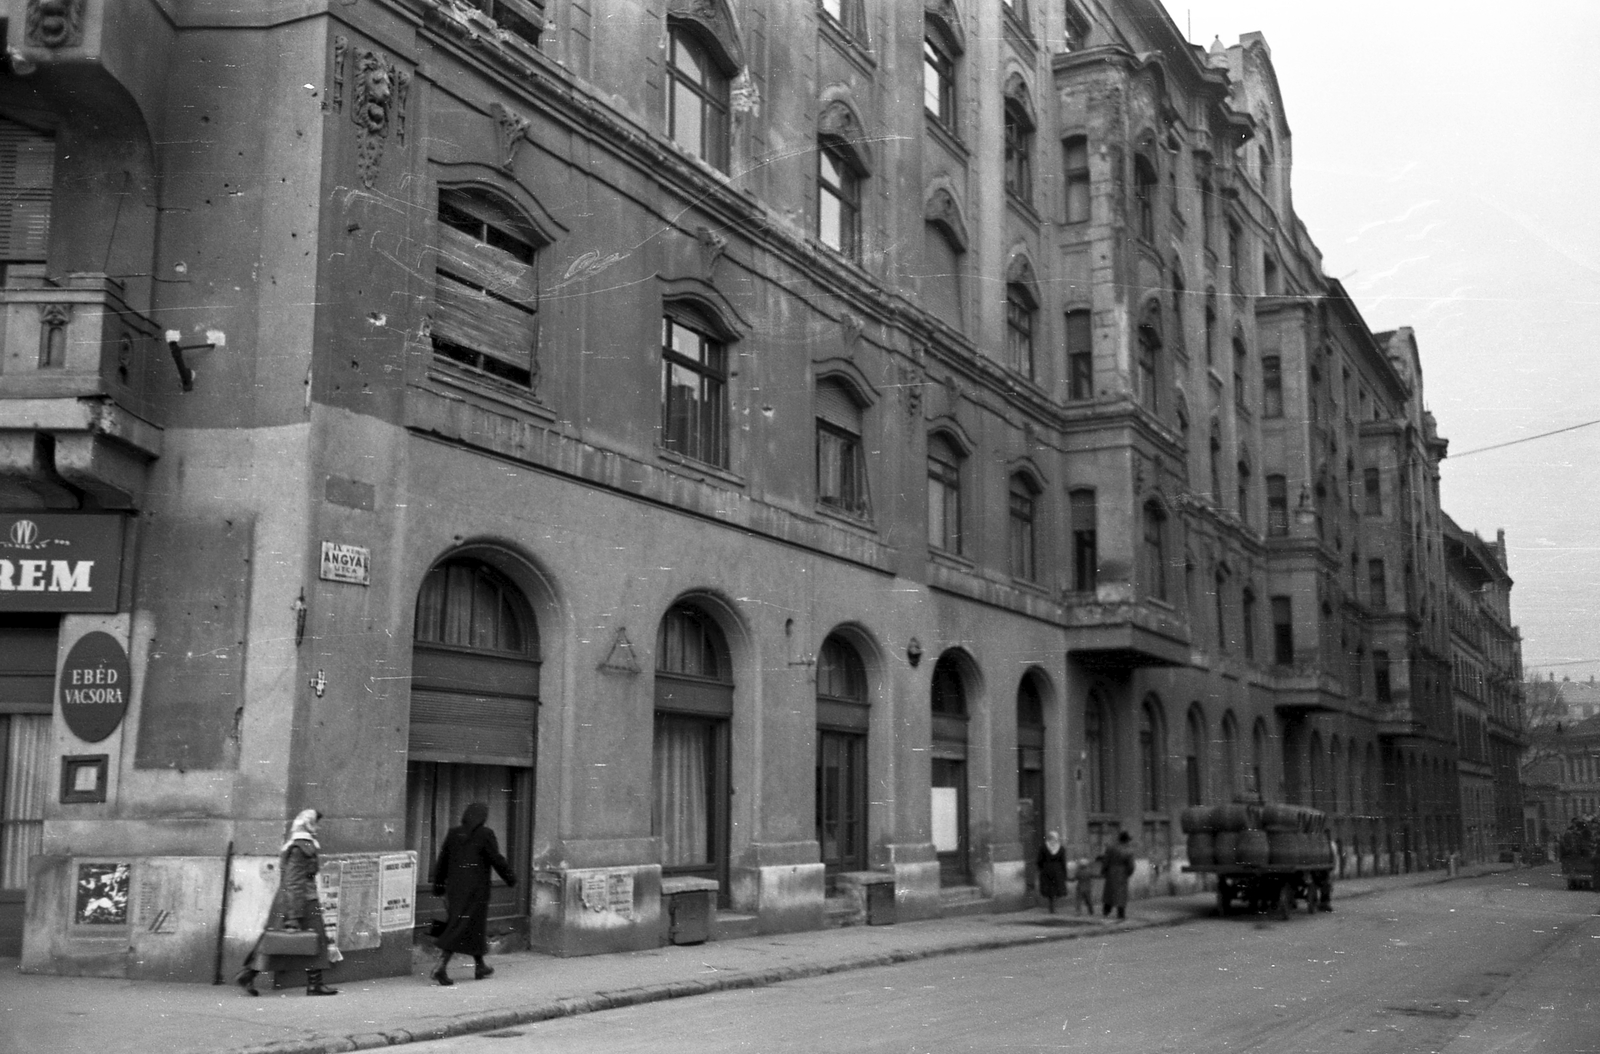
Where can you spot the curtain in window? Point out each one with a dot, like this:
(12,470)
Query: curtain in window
(26,740)
(438,793)
(682,767)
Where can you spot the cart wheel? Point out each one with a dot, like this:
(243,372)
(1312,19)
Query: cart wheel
(1285,900)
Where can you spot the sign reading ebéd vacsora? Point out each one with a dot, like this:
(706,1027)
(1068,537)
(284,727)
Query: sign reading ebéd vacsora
(95,681)
(60,561)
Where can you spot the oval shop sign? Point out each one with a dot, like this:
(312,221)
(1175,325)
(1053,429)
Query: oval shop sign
(94,686)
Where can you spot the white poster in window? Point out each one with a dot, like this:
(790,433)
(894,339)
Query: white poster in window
(398,891)
(946,821)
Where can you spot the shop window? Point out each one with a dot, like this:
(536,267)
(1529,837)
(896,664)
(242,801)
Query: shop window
(842,720)
(694,395)
(841,461)
(693,707)
(486,287)
(1075,171)
(697,98)
(944,495)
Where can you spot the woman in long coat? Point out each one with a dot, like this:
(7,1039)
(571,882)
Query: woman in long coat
(461,876)
(1116,863)
(1051,863)
(295,907)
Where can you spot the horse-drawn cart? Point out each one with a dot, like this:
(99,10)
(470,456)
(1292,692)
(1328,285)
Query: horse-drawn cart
(1264,887)
(1264,855)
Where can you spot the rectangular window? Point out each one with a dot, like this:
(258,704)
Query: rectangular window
(1377,585)
(1219,598)
(1373,483)
(1019,155)
(1075,170)
(939,82)
(1247,622)
(1021,532)
(838,204)
(1271,386)
(697,101)
(944,505)
(1019,331)
(693,394)
(1235,255)
(1155,557)
(1380,677)
(1085,549)
(486,290)
(1080,356)
(1277,507)
(841,471)
(1282,632)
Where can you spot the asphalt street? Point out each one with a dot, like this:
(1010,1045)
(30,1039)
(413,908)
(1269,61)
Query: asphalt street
(1502,963)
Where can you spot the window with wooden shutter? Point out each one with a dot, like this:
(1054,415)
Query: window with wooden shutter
(27,173)
(841,465)
(486,296)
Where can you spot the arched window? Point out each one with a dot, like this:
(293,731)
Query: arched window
(944,495)
(1277,506)
(1019,151)
(697,97)
(1271,386)
(841,460)
(1075,173)
(486,287)
(1021,545)
(838,200)
(1080,355)
(1336,775)
(842,720)
(1258,759)
(1211,327)
(693,706)
(1195,756)
(1152,755)
(474,713)
(939,53)
(1216,467)
(1020,312)
(1243,481)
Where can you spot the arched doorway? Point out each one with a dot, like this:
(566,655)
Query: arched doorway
(842,719)
(693,707)
(474,719)
(1030,772)
(949,776)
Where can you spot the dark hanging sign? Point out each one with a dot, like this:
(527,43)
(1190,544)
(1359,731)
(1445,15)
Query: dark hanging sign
(52,561)
(94,686)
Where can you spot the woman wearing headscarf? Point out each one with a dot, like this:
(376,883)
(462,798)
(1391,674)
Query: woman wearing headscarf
(295,907)
(1051,863)
(461,876)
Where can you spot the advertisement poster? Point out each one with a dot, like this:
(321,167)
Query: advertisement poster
(358,902)
(397,886)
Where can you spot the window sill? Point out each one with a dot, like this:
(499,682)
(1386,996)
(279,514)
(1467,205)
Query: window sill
(1023,208)
(946,135)
(848,519)
(470,382)
(704,468)
(955,561)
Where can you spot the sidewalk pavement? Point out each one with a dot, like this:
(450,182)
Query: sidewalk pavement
(78,1015)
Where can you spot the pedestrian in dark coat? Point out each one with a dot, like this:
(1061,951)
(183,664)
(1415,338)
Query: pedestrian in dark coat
(295,907)
(1116,864)
(461,876)
(1051,863)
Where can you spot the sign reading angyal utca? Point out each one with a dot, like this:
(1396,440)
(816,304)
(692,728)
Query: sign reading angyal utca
(346,563)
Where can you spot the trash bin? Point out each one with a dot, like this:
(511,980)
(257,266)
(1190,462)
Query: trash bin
(688,905)
(881,909)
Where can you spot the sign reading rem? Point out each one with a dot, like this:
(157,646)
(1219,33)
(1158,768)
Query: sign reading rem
(60,561)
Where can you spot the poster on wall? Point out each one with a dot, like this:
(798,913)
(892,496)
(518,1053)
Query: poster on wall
(100,895)
(348,889)
(397,888)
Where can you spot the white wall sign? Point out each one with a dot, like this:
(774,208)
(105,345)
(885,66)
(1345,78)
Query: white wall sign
(946,825)
(346,563)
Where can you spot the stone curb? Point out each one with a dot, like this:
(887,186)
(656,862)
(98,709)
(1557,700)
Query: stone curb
(492,1020)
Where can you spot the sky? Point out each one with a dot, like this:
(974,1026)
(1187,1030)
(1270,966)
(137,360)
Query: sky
(1446,160)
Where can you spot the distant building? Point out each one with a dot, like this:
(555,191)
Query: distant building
(1561,773)
(1486,687)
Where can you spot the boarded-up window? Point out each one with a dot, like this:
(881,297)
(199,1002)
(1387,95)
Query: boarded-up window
(27,171)
(487,290)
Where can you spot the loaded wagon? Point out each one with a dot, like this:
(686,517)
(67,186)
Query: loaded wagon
(1268,857)
(1580,855)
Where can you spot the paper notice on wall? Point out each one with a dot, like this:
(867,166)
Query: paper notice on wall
(397,886)
(946,823)
(328,892)
(359,902)
(619,892)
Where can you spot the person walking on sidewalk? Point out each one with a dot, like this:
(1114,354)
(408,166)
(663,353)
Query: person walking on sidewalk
(295,910)
(461,876)
(1051,864)
(1116,864)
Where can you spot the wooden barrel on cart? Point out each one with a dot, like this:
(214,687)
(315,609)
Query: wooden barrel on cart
(1202,847)
(1253,847)
(1198,818)
(1226,847)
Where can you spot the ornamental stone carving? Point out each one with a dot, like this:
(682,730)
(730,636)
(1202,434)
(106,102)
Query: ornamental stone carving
(54,23)
(371,106)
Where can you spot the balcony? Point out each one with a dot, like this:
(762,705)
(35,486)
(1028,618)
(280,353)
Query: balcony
(68,352)
(1117,630)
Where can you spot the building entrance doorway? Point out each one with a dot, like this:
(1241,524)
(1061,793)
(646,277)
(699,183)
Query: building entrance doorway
(948,785)
(27,680)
